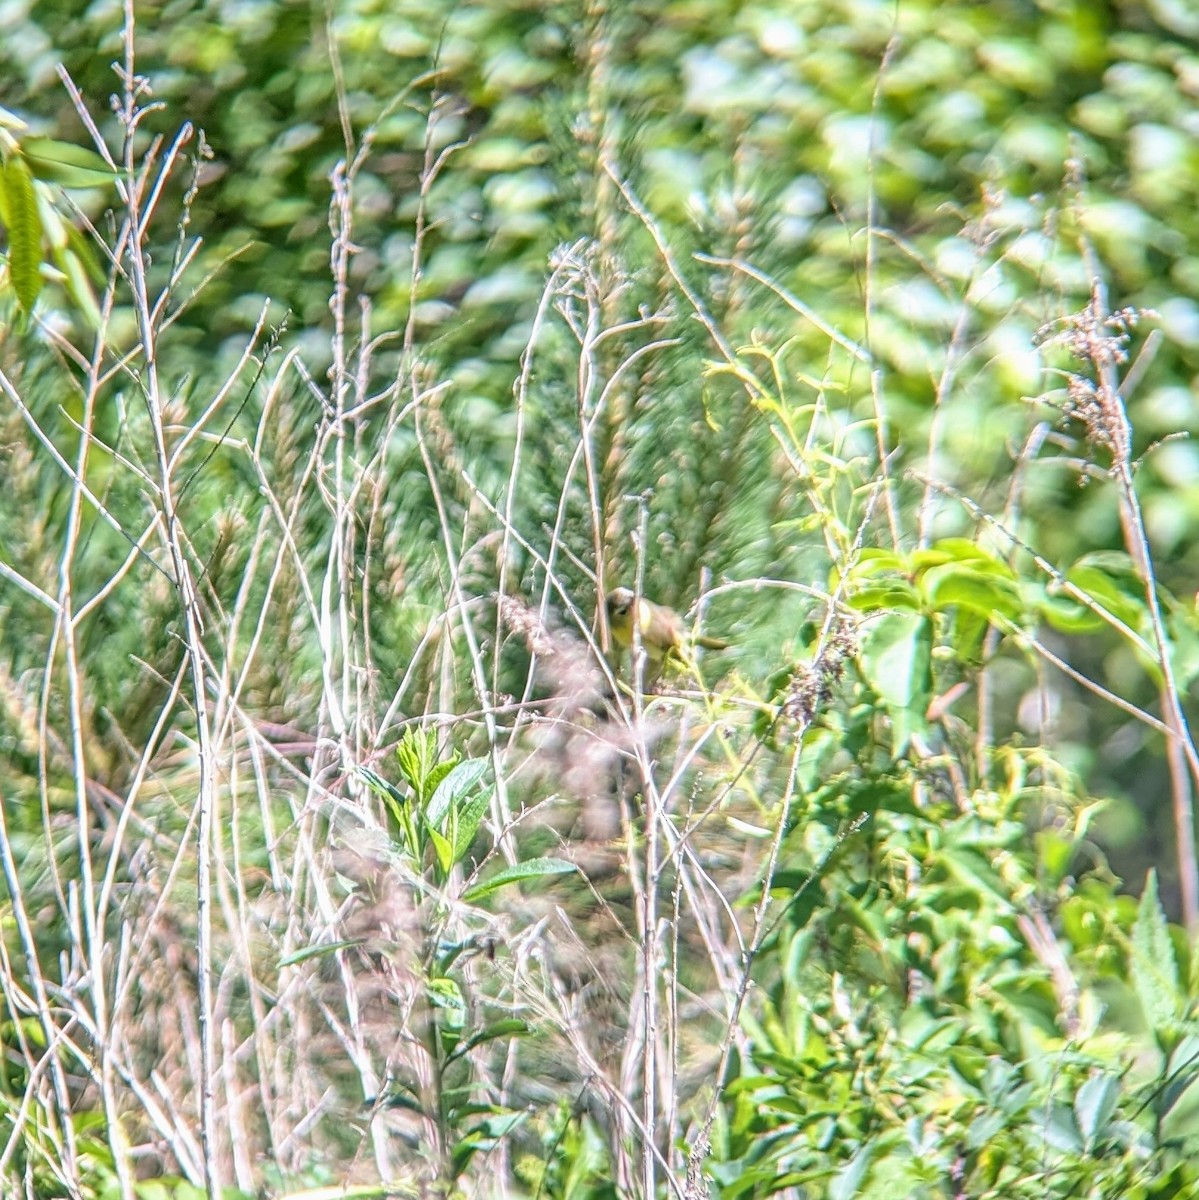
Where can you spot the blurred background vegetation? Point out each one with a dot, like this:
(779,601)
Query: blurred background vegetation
(838,246)
(765,133)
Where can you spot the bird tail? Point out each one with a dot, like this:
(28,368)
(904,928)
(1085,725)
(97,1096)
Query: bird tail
(711,643)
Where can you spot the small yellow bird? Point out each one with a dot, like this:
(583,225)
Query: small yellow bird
(664,634)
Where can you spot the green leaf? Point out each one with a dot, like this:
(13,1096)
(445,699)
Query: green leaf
(848,1181)
(1062,612)
(975,872)
(532,868)
(317,951)
(876,597)
(1154,967)
(437,773)
(78,286)
(509,1028)
(485,1136)
(24,224)
(65,164)
(392,796)
(875,562)
(446,995)
(455,791)
(1056,1124)
(1111,581)
(417,753)
(982,591)
(456,807)
(404,1092)
(958,550)
(84,249)
(1094,1104)
(968,631)
(378,785)
(54,228)
(467,818)
(984,1129)
(443,848)
(1054,853)
(1179,1100)
(897,658)
(878,581)
(465,822)
(419,763)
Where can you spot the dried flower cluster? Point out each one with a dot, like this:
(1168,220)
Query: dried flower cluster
(812,684)
(1100,342)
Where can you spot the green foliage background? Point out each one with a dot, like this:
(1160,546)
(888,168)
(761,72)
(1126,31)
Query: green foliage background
(768,133)
(918,178)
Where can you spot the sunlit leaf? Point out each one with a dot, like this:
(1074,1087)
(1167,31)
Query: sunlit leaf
(1056,1124)
(1094,1104)
(458,804)
(417,753)
(24,227)
(985,592)
(79,286)
(506,1029)
(443,848)
(1154,967)
(532,868)
(896,655)
(66,164)
(848,1181)
(317,951)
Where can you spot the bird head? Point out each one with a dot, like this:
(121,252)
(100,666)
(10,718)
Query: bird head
(619,602)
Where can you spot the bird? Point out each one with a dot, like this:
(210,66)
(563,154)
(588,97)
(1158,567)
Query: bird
(663,633)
